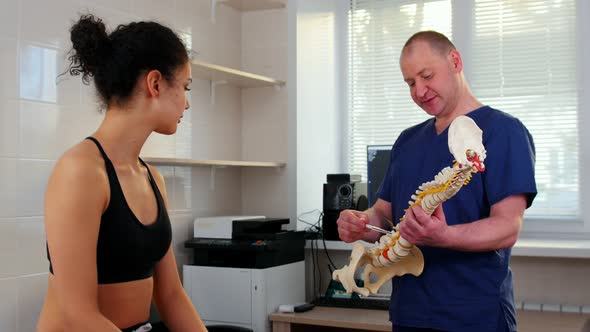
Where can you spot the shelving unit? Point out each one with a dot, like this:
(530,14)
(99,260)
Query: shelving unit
(249,5)
(218,74)
(220,163)
(214,164)
(246,5)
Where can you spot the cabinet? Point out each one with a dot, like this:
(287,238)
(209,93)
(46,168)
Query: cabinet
(243,297)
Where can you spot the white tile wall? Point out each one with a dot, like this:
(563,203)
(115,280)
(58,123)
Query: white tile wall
(42,114)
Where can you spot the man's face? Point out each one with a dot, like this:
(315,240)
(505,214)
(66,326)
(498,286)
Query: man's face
(431,77)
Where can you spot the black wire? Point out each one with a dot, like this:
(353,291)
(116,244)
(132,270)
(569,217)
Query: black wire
(313,269)
(319,268)
(315,249)
(331,263)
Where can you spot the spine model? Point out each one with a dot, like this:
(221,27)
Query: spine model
(392,255)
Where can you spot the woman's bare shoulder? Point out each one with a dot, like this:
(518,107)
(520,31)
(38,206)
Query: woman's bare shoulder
(82,158)
(80,168)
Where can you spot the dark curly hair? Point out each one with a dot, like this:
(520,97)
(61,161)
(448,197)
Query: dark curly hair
(115,61)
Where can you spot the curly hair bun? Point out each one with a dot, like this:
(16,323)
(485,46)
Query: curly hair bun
(91,46)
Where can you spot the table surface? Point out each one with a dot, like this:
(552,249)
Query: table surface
(378,320)
(362,319)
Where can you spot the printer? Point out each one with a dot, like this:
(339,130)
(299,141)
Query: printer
(241,276)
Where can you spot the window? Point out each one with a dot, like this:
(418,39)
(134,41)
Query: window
(522,58)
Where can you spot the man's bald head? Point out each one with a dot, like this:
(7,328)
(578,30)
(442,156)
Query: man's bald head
(438,42)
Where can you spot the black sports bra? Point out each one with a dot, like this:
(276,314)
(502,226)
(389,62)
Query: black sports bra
(128,250)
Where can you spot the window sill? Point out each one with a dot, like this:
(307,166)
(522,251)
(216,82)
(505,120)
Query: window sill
(552,248)
(522,248)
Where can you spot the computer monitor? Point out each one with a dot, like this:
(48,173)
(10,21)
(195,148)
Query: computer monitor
(377,162)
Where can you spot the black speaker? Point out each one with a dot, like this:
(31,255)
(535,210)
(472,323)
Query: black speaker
(338,196)
(329,226)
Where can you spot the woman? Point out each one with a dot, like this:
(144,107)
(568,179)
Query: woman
(108,232)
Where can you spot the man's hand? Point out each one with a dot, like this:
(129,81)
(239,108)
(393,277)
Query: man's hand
(351,225)
(421,229)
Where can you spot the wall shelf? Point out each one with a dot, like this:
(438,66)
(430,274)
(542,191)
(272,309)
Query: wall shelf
(249,5)
(219,74)
(214,164)
(220,163)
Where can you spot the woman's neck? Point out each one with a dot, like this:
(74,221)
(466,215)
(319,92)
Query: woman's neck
(123,134)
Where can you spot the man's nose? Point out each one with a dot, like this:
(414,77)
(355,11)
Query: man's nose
(421,90)
(187,105)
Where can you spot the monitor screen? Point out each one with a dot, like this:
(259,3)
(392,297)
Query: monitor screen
(377,162)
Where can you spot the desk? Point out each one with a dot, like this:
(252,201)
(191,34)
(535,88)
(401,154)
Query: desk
(344,319)
(355,320)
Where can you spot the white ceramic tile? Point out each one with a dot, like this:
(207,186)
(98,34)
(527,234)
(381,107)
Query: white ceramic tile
(31,295)
(264,118)
(202,33)
(202,144)
(182,231)
(9,124)
(38,72)
(89,96)
(228,55)
(161,11)
(224,199)
(268,61)
(9,189)
(228,26)
(38,124)
(182,259)
(111,12)
(8,248)
(200,99)
(31,246)
(68,88)
(225,42)
(48,22)
(167,173)
(9,19)
(263,28)
(183,140)
(31,177)
(8,66)
(115,5)
(8,304)
(158,145)
(74,125)
(265,192)
(190,14)
(182,190)
(43,76)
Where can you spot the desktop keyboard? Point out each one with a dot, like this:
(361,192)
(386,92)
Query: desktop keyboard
(362,303)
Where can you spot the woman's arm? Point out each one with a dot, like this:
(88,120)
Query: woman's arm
(74,202)
(174,306)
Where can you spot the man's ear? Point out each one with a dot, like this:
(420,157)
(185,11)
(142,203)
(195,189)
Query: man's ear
(456,61)
(153,81)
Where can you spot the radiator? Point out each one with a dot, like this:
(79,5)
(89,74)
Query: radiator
(550,307)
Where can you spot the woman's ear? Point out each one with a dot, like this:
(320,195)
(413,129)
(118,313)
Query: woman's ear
(153,81)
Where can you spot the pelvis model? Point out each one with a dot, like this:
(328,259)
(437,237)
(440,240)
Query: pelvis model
(393,255)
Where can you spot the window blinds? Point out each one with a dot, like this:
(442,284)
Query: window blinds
(524,63)
(523,60)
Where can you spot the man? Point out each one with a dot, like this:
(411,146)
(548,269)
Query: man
(466,284)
